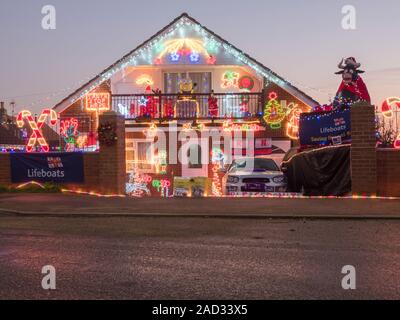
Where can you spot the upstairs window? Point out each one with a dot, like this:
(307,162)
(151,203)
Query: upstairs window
(202,80)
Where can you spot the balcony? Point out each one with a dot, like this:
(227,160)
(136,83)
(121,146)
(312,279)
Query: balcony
(199,106)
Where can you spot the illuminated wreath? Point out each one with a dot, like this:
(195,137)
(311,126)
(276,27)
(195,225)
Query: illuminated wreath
(107,134)
(246,82)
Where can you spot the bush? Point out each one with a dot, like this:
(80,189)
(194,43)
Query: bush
(3,189)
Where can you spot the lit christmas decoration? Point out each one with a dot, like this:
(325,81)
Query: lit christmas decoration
(230,79)
(194,57)
(145,79)
(216,157)
(184,46)
(388,105)
(246,83)
(211,60)
(292,127)
(229,126)
(98,101)
(151,131)
(151,51)
(397,142)
(69,132)
(36,126)
(274,111)
(174,56)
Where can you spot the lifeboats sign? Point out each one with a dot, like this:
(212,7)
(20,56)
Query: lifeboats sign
(47,167)
(325,128)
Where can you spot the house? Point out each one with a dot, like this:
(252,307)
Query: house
(186,77)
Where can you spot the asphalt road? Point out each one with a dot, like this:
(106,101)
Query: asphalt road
(198,258)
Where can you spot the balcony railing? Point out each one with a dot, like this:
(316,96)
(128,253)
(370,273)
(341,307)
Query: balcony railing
(191,106)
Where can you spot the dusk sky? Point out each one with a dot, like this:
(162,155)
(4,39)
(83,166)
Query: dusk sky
(302,41)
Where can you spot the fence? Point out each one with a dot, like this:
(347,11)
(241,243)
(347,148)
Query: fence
(178,106)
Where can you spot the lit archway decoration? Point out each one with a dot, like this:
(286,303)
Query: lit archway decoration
(183,47)
(388,105)
(36,126)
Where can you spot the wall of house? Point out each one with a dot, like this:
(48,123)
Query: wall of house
(125,81)
(388,172)
(280,145)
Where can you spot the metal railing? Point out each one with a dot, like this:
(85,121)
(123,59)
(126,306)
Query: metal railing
(190,106)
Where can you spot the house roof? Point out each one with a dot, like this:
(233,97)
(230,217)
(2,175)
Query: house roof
(125,60)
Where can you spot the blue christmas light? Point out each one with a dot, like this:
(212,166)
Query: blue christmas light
(174,56)
(194,57)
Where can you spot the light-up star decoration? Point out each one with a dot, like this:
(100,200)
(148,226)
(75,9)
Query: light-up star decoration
(143,101)
(174,56)
(194,57)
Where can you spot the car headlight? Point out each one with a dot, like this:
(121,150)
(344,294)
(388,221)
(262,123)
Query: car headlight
(232,179)
(278,179)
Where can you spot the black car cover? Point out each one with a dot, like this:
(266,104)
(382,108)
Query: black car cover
(321,172)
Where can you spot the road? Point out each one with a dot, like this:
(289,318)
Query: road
(198,258)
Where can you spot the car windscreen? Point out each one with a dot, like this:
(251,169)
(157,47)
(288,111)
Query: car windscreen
(254,165)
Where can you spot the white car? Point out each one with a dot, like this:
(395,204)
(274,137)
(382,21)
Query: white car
(260,175)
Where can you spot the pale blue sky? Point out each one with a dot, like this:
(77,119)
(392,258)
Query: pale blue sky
(302,40)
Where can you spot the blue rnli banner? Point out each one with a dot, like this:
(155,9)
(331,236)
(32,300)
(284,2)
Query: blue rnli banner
(325,128)
(47,167)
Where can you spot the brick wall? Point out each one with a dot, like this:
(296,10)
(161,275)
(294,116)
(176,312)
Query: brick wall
(363,153)
(388,169)
(112,164)
(5,174)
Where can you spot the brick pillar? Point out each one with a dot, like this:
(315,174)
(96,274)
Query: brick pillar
(112,157)
(363,151)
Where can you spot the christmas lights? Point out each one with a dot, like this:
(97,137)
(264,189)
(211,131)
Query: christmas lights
(229,126)
(163,43)
(151,131)
(69,132)
(396,143)
(230,79)
(23,185)
(292,127)
(145,79)
(246,83)
(183,47)
(274,112)
(216,156)
(36,126)
(388,105)
(97,101)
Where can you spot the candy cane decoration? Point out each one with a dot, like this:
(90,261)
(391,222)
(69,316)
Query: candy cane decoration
(388,105)
(36,126)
